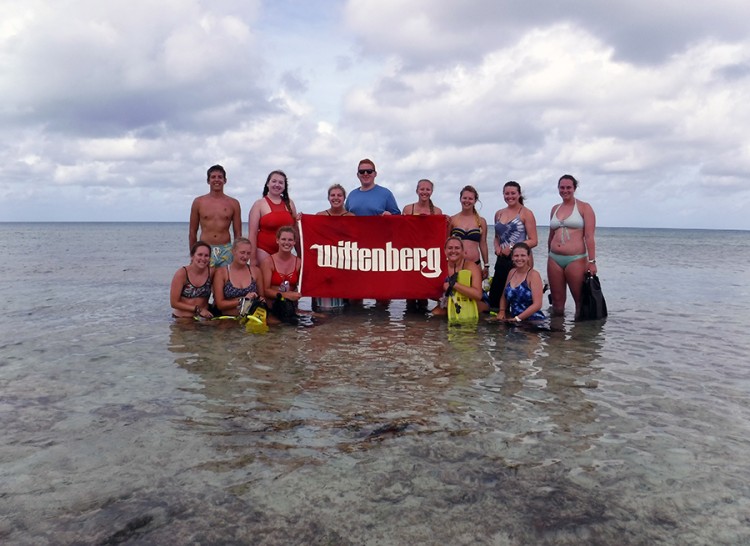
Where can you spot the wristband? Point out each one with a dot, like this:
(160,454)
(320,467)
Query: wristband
(517,319)
(592,261)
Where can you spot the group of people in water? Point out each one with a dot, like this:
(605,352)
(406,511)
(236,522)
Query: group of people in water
(265,265)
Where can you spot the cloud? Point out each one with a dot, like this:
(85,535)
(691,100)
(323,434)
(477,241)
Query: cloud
(114,110)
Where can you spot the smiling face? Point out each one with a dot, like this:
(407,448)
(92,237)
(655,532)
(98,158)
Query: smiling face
(286,240)
(566,187)
(520,257)
(201,257)
(468,199)
(366,173)
(276,184)
(424,190)
(216,180)
(454,249)
(336,198)
(511,195)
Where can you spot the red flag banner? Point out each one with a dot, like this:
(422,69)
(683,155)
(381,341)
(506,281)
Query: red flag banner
(380,257)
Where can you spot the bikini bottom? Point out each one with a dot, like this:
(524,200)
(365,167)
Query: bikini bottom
(564,261)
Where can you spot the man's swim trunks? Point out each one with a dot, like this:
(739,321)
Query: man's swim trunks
(221,255)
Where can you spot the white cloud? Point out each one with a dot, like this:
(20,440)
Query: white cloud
(118,102)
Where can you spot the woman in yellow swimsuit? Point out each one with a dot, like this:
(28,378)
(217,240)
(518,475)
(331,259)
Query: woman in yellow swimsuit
(571,244)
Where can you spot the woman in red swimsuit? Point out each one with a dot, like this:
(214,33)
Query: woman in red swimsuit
(280,271)
(268,214)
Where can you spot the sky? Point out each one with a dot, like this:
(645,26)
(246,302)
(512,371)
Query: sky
(113,111)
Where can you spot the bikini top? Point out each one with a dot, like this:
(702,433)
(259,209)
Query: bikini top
(573,221)
(277,277)
(511,233)
(190,291)
(474,234)
(413,209)
(231,291)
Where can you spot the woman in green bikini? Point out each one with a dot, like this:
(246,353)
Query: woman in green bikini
(571,244)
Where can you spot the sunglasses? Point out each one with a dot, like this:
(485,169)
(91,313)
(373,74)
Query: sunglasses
(366,171)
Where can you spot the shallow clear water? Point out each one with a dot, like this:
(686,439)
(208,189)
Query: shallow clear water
(375,426)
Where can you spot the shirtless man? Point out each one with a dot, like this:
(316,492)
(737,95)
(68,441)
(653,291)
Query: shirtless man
(214,213)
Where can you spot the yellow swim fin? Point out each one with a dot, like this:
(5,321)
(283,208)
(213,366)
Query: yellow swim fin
(462,309)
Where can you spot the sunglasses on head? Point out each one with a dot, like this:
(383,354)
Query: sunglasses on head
(366,171)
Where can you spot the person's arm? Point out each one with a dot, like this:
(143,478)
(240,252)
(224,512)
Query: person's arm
(551,231)
(535,284)
(503,305)
(175,291)
(253,223)
(475,290)
(295,224)
(497,246)
(195,220)
(221,302)
(266,269)
(237,220)
(589,229)
(529,222)
(258,274)
(391,207)
(483,250)
(406,207)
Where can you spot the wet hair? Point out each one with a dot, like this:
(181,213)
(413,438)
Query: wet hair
(471,189)
(336,187)
(432,206)
(215,168)
(197,245)
(516,185)
(454,238)
(241,241)
(285,229)
(365,160)
(569,177)
(521,245)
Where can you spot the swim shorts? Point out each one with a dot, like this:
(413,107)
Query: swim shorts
(221,255)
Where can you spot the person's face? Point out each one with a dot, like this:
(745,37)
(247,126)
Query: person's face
(366,174)
(424,191)
(520,257)
(511,195)
(336,197)
(468,200)
(201,257)
(242,253)
(286,241)
(453,250)
(276,185)
(216,180)
(566,188)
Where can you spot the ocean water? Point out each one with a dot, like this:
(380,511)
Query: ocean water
(374,426)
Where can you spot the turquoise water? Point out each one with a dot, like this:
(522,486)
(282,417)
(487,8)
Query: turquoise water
(375,426)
